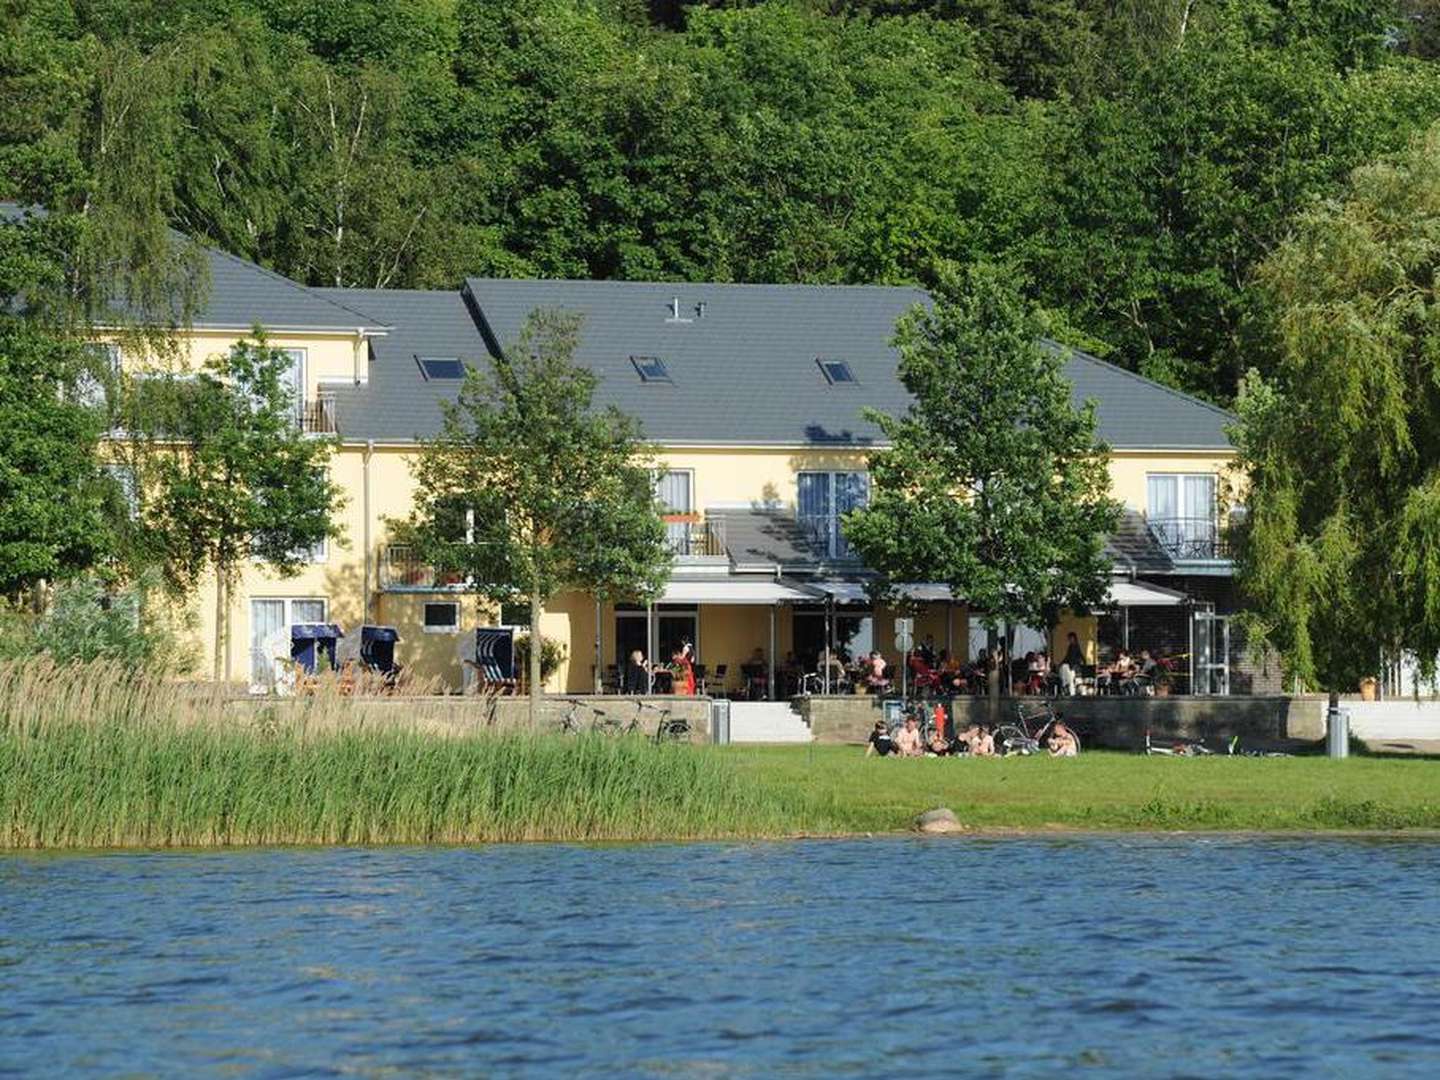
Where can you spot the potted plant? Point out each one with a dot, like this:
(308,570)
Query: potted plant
(552,655)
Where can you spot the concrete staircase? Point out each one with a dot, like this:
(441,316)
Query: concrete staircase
(767,722)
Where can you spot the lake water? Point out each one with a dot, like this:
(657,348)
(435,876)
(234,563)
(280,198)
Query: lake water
(1023,957)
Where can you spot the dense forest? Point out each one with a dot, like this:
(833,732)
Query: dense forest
(1133,159)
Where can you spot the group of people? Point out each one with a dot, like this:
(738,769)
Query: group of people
(977,740)
(641,677)
(1129,675)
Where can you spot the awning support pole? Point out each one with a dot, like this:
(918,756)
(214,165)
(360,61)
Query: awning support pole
(1125,613)
(770,680)
(599,654)
(649,648)
(829,637)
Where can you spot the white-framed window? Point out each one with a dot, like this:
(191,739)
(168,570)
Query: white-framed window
(822,499)
(441,617)
(124,478)
(293,377)
(268,616)
(1181,511)
(675,491)
(315,554)
(92,387)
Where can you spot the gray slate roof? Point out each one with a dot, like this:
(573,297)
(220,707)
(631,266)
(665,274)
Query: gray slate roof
(242,294)
(744,373)
(398,404)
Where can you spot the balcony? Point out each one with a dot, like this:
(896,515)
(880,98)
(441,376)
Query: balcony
(1190,539)
(318,415)
(690,538)
(402,570)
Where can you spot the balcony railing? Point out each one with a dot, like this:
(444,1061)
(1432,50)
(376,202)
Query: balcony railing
(402,570)
(1190,538)
(318,415)
(690,538)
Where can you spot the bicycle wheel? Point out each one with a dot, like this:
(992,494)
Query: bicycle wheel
(1010,739)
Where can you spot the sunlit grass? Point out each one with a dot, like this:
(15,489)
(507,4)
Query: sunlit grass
(1105,790)
(95,756)
(92,757)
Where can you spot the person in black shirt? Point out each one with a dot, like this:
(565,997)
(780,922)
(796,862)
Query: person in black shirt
(637,674)
(880,741)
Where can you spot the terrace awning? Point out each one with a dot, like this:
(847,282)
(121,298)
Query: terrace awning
(1136,594)
(853,592)
(732,591)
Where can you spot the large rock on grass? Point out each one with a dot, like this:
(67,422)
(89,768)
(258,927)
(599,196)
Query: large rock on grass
(940,820)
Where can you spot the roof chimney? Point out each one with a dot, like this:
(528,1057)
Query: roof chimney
(674,316)
(700,310)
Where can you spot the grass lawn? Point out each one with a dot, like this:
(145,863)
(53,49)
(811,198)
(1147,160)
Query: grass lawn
(847,792)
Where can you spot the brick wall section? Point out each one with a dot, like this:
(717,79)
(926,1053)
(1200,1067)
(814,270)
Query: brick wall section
(458,715)
(1114,723)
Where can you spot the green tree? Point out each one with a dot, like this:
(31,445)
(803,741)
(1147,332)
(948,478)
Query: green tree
(994,482)
(229,477)
(528,490)
(53,520)
(1340,551)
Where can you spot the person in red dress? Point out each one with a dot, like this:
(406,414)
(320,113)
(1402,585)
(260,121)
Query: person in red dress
(683,664)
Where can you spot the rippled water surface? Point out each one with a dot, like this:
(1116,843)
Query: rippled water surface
(1113,956)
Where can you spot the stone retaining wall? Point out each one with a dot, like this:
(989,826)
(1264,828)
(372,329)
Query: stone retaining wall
(455,715)
(1117,723)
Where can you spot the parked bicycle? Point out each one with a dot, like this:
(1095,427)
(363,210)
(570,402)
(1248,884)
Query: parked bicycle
(571,722)
(1027,734)
(1178,748)
(1234,749)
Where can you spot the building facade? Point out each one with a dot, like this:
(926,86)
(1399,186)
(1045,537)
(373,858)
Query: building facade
(752,398)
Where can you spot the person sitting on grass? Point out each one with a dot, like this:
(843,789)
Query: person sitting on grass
(983,744)
(1062,741)
(880,742)
(965,740)
(908,742)
(937,746)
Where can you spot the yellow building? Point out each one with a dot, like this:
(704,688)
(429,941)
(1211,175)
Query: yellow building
(752,396)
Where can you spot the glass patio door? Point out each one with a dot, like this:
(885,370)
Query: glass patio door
(1210,652)
(673,629)
(673,491)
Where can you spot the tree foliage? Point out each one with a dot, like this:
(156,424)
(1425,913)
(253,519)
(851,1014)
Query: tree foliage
(1340,551)
(228,475)
(994,483)
(528,490)
(1138,158)
(53,495)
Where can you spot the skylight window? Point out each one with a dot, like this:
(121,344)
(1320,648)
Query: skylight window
(441,367)
(836,372)
(651,369)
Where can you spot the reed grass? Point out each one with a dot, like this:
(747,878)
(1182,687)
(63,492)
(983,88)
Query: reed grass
(94,756)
